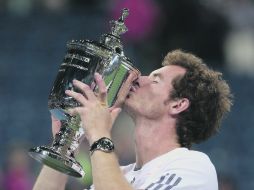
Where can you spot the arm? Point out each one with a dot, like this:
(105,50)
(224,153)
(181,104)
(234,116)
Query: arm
(105,167)
(107,173)
(48,178)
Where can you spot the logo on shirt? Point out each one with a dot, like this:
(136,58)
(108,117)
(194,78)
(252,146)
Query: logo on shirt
(133,180)
(166,182)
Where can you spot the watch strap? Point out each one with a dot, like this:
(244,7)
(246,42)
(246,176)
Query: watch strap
(104,144)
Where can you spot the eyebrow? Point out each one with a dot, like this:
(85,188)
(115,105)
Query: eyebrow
(157,75)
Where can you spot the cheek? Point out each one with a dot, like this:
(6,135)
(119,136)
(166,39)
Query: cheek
(153,109)
(152,101)
(153,95)
(160,95)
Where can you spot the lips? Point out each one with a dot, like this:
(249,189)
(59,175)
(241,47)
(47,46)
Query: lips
(133,89)
(134,86)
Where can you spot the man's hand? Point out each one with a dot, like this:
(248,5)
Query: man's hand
(96,117)
(97,120)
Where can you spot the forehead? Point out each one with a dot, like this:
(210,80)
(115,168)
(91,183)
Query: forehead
(170,71)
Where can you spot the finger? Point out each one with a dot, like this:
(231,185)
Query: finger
(125,88)
(56,125)
(84,88)
(111,108)
(128,83)
(74,111)
(77,96)
(55,121)
(132,77)
(114,113)
(102,88)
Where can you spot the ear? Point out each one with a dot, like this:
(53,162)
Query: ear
(178,106)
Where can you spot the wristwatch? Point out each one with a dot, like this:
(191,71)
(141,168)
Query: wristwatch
(104,144)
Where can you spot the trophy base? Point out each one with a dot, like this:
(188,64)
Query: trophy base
(54,160)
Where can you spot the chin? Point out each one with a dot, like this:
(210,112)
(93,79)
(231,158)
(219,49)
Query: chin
(129,110)
(128,104)
(130,107)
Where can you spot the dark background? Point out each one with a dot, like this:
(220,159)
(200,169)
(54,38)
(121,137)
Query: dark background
(33,36)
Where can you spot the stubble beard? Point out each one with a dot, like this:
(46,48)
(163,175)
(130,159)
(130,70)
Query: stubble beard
(129,110)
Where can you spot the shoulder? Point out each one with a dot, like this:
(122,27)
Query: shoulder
(184,155)
(195,169)
(193,159)
(184,160)
(186,169)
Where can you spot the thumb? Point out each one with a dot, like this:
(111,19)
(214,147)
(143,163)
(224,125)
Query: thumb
(114,113)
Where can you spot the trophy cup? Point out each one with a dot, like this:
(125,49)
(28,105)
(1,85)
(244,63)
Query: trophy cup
(83,58)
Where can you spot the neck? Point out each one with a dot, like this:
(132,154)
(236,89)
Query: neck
(153,138)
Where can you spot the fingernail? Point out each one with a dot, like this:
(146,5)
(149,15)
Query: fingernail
(97,75)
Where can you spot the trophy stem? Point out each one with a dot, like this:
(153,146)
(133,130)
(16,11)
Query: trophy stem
(61,155)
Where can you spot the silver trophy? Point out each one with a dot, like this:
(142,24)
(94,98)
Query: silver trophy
(82,60)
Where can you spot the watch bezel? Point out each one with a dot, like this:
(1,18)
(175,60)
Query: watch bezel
(104,144)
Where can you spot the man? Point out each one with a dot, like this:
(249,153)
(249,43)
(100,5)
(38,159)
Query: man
(175,106)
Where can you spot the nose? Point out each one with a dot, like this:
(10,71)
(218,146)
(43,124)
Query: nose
(143,80)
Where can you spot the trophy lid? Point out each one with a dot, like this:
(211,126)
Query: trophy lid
(118,27)
(109,42)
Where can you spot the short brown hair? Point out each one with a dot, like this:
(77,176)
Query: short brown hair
(209,97)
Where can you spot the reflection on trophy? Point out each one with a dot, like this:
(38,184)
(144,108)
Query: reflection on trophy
(82,60)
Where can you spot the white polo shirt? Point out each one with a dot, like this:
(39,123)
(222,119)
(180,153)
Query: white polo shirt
(179,169)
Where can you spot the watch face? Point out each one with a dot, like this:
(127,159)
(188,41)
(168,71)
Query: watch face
(105,145)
